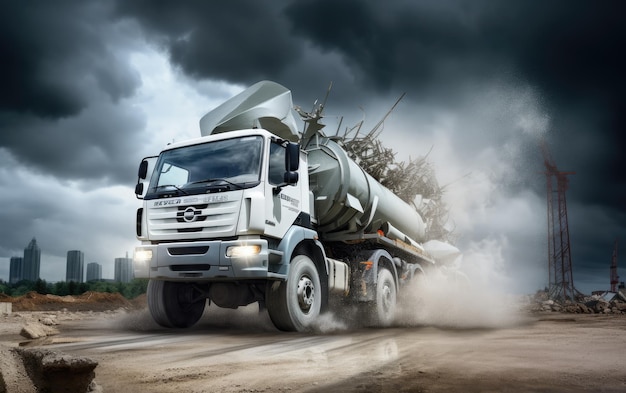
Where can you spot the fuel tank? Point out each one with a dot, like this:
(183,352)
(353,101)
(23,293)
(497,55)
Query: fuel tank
(349,201)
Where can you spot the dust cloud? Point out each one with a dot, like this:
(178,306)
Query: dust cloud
(488,154)
(243,319)
(470,293)
(454,297)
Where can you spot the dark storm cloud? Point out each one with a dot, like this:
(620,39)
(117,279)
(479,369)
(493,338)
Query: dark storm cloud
(54,54)
(573,54)
(237,41)
(394,43)
(97,144)
(565,47)
(59,62)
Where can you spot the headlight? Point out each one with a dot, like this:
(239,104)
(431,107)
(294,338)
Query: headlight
(242,251)
(143,255)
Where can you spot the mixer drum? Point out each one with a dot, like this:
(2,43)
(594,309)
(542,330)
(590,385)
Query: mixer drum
(349,201)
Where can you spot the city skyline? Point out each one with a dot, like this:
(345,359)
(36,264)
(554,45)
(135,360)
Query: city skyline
(106,271)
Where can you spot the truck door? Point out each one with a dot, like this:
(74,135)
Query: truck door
(285,201)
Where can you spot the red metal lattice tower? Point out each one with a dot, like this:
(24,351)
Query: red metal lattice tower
(561,281)
(614,276)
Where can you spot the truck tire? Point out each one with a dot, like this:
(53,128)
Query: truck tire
(384,309)
(172,304)
(295,304)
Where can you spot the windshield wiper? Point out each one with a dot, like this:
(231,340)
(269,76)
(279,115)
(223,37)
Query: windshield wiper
(216,179)
(176,187)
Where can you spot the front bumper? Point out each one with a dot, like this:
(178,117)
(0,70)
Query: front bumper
(202,260)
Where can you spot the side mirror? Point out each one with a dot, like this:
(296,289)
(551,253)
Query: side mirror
(291,178)
(292,157)
(146,166)
(143,170)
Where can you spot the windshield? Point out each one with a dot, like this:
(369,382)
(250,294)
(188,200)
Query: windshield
(210,167)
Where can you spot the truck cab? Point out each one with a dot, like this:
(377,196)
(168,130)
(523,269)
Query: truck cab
(216,198)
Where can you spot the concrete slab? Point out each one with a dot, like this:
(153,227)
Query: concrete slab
(6,307)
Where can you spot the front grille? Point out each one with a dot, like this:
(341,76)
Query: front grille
(195,221)
(190,268)
(189,230)
(192,250)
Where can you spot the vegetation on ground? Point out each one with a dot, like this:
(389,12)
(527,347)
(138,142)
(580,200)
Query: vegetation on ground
(129,290)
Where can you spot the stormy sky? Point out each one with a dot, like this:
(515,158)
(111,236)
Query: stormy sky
(91,87)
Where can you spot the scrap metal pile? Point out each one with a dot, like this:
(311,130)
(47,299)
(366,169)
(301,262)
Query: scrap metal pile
(413,181)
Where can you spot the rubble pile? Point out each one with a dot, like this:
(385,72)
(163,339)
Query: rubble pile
(608,303)
(88,301)
(36,317)
(42,370)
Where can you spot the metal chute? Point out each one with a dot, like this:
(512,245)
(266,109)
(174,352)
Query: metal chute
(265,104)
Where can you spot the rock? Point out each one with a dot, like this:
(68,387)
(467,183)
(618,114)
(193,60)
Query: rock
(48,321)
(13,375)
(620,306)
(34,330)
(55,372)
(598,306)
(95,388)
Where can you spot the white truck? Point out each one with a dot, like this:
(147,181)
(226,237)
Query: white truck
(255,211)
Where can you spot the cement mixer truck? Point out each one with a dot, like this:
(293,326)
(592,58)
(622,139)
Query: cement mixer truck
(255,211)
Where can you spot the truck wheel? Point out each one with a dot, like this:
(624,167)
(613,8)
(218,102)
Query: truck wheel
(294,305)
(386,296)
(174,304)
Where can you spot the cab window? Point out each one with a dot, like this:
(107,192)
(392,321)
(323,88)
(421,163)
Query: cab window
(277,164)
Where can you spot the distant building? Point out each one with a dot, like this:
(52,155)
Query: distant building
(124,269)
(16,270)
(94,272)
(32,261)
(75,266)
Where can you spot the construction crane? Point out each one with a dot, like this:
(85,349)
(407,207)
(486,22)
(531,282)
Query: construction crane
(560,277)
(614,276)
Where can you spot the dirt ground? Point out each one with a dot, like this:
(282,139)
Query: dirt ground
(240,351)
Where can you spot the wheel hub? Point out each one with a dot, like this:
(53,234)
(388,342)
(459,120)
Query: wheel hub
(386,297)
(306,293)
